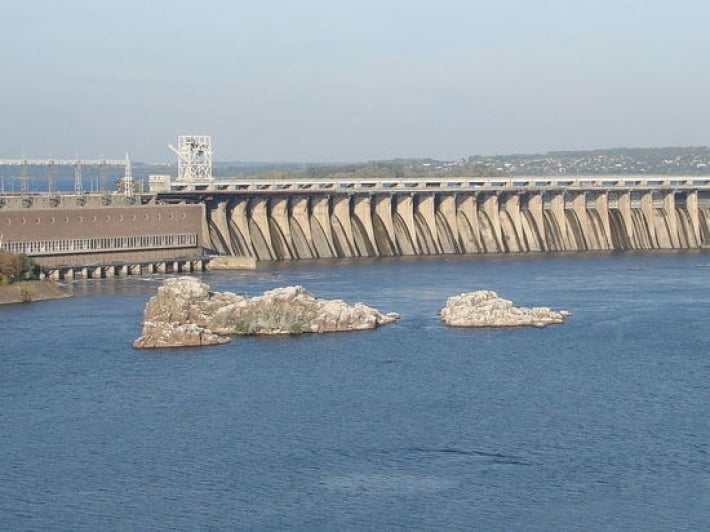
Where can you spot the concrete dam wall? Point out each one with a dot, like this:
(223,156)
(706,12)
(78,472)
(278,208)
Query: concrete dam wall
(348,225)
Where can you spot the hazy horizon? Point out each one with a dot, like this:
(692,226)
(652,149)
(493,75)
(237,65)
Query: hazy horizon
(352,81)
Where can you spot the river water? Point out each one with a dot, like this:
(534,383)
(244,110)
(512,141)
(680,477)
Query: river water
(597,424)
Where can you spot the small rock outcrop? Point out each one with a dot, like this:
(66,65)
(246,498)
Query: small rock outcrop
(483,308)
(185,313)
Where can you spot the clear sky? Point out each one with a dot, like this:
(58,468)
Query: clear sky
(351,80)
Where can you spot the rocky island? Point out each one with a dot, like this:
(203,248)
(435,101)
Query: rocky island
(483,308)
(185,313)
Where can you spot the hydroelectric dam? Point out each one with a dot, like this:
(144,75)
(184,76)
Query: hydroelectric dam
(196,221)
(350,218)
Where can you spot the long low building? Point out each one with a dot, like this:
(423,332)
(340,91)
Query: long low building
(90,236)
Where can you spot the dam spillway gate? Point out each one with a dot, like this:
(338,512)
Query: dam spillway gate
(284,225)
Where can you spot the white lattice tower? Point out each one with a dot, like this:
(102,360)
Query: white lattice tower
(194,157)
(128,178)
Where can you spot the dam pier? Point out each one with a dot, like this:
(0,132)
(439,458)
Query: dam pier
(286,220)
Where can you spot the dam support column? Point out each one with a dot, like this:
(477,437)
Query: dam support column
(625,210)
(220,225)
(321,229)
(383,212)
(240,220)
(467,222)
(514,242)
(426,235)
(491,235)
(448,236)
(260,218)
(557,208)
(535,210)
(343,238)
(601,204)
(363,212)
(669,208)
(300,217)
(587,239)
(404,207)
(691,203)
(649,215)
(279,217)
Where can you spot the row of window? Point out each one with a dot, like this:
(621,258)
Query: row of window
(80,219)
(87,245)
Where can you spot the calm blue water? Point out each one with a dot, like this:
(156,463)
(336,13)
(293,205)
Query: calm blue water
(597,424)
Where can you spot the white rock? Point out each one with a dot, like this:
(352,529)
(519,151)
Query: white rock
(483,308)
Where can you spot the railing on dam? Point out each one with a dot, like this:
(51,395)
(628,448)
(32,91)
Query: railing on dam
(344,185)
(37,248)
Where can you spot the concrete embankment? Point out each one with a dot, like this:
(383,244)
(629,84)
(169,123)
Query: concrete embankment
(28,291)
(231,263)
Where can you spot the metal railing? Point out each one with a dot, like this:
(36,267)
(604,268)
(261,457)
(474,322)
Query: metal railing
(448,183)
(35,248)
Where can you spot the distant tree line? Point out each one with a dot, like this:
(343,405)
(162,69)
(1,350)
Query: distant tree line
(392,169)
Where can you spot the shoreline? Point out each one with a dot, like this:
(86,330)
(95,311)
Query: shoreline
(30,291)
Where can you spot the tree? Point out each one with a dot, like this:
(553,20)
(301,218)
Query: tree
(10,266)
(29,269)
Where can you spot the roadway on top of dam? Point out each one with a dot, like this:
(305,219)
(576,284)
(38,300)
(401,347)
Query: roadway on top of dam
(447,184)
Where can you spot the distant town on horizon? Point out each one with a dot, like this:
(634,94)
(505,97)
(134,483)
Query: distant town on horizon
(691,160)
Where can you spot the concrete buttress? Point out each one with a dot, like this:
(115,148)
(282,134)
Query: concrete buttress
(219,222)
(624,206)
(341,212)
(557,207)
(260,218)
(449,243)
(300,216)
(511,205)
(650,215)
(383,210)
(320,217)
(535,210)
(239,218)
(404,208)
(468,227)
(601,205)
(490,208)
(279,216)
(363,211)
(669,208)
(691,204)
(425,209)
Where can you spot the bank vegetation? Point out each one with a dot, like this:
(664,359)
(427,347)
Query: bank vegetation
(20,280)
